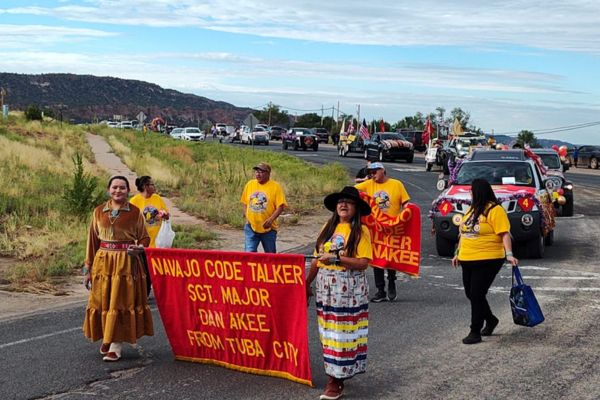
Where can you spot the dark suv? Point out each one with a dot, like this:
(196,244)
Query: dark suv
(388,146)
(322,134)
(588,156)
(299,138)
(275,132)
(415,137)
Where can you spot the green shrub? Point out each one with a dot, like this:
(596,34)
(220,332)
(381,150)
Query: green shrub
(81,195)
(33,113)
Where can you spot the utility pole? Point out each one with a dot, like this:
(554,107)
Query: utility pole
(321,114)
(338,114)
(270,108)
(2,94)
(358,114)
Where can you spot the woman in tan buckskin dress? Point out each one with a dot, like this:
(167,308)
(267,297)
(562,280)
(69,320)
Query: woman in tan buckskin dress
(117,309)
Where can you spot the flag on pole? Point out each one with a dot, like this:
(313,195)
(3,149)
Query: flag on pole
(364,131)
(382,125)
(427,132)
(457,128)
(351,126)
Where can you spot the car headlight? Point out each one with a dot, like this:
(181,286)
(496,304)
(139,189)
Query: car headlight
(569,186)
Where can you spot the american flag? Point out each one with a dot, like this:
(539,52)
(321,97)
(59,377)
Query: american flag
(364,131)
(351,126)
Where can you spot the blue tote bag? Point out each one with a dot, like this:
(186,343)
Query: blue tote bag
(524,306)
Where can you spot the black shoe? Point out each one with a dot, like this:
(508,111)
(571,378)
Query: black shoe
(379,297)
(391,290)
(472,338)
(490,325)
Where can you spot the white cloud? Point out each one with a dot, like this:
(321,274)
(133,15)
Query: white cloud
(570,25)
(25,36)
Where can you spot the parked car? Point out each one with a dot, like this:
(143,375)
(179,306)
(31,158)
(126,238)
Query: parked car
(415,137)
(300,138)
(588,156)
(555,170)
(126,125)
(176,133)
(322,134)
(275,132)
(258,136)
(519,185)
(389,146)
(112,124)
(193,134)
(221,128)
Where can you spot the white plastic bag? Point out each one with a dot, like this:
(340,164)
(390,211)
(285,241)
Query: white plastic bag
(165,236)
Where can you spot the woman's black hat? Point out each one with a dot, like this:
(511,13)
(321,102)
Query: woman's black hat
(349,192)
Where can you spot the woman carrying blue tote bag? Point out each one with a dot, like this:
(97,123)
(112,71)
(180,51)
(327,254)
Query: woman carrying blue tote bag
(525,308)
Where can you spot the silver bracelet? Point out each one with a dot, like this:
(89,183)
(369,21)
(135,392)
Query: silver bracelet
(509,254)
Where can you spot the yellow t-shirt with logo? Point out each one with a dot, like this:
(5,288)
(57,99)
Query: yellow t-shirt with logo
(389,195)
(149,208)
(261,201)
(482,240)
(338,241)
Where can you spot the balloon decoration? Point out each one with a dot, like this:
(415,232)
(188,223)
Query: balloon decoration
(562,151)
(555,147)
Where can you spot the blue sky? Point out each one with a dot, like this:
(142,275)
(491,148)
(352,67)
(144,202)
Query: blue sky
(513,65)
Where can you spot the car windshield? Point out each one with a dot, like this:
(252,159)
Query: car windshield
(177,130)
(471,142)
(551,161)
(302,131)
(192,130)
(392,136)
(496,173)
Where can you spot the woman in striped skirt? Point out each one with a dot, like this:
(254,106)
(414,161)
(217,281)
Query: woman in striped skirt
(344,251)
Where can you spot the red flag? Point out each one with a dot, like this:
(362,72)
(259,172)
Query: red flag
(364,131)
(427,132)
(382,125)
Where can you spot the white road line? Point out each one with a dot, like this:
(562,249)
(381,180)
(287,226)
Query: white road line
(2,346)
(47,335)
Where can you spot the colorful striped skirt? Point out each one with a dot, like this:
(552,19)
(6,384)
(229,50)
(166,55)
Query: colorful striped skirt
(343,317)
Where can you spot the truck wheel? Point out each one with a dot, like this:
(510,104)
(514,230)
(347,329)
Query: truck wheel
(428,166)
(444,247)
(567,208)
(296,145)
(410,159)
(316,147)
(594,163)
(549,239)
(535,247)
(284,145)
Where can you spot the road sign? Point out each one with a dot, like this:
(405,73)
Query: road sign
(141,117)
(250,121)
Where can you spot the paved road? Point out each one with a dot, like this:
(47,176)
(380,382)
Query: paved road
(414,343)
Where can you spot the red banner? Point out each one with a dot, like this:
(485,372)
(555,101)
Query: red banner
(244,311)
(396,240)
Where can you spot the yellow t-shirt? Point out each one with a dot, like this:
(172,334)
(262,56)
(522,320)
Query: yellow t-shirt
(338,242)
(482,240)
(261,201)
(389,195)
(149,208)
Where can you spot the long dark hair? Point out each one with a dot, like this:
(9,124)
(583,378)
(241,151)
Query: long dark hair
(353,239)
(483,195)
(141,182)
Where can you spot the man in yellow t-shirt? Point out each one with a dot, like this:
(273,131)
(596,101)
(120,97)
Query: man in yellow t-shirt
(264,201)
(390,196)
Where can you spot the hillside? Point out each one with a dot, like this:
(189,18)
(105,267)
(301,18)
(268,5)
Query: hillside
(84,98)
